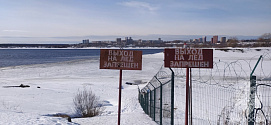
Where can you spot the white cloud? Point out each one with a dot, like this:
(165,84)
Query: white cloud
(14,31)
(140,5)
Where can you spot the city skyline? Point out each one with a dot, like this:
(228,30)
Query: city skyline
(69,20)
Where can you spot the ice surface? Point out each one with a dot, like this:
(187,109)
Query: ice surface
(59,82)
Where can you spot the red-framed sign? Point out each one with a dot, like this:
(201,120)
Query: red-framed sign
(120,59)
(188,58)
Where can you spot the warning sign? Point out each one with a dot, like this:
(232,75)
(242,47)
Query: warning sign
(188,58)
(120,59)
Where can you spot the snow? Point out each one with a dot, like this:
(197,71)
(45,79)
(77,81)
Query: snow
(227,85)
(59,83)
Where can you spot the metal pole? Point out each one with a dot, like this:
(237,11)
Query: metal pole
(190,98)
(161,103)
(150,108)
(251,103)
(120,84)
(147,103)
(148,100)
(187,93)
(145,100)
(255,66)
(154,97)
(154,105)
(161,95)
(172,97)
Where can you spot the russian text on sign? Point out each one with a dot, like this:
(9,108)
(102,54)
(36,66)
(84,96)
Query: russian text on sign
(201,64)
(188,51)
(121,59)
(189,58)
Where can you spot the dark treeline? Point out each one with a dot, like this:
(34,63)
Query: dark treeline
(35,45)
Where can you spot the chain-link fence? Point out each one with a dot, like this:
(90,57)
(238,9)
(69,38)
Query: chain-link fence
(263,102)
(156,97)
(219,96)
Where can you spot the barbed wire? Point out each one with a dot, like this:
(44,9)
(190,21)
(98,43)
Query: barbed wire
(261,108)
(231,73)
(231,79)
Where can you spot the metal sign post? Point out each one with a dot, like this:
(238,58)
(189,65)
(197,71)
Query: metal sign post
(187,95)
(120,84)
(188,58)
(122,60)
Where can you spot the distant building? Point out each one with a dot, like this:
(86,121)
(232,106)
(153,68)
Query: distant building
(97,42)
(212,40)
(157,41)
(140,41)
(129,40)
(195,40)
(86,41)
(204,39)
(215,39)
(160,40)
(200,40)
(223,39)
(118,40)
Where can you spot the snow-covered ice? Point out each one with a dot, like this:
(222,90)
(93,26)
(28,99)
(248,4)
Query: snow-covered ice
(59,83)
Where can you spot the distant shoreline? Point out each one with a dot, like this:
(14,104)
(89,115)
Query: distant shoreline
(89,48)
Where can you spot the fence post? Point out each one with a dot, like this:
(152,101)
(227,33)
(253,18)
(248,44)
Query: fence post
(161,104)
(146,101)
(150,114)
(251,103)
(154,102)
(149,101)
(139,96)
(142,101)
(161,95)
(172,97)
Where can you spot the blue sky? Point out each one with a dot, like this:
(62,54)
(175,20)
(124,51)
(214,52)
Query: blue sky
(59,20)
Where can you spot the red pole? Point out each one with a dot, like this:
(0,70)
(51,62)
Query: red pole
(187,92)
(120,82)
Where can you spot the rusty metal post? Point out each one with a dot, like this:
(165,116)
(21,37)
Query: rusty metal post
(187,94)
(190,98)
(120,84)
(172,97)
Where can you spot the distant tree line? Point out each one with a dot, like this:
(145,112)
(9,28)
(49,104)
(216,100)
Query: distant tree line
(35,45)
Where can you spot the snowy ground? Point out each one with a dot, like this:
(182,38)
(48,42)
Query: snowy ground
(59,82)
(226,85)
